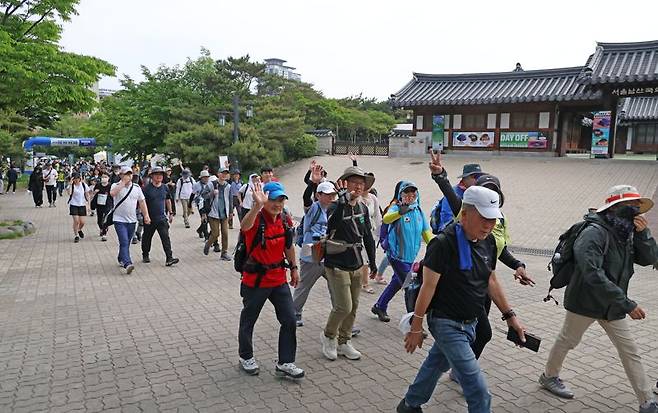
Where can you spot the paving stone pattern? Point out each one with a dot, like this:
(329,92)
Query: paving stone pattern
(76,335)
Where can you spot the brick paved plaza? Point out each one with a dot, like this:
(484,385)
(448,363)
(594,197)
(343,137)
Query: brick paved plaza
(78,336)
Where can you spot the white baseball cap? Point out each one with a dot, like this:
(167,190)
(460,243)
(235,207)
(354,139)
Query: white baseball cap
(326,188)
(484,200)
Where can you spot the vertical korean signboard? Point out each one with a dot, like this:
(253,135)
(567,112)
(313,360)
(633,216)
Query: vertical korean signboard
(601,132)
(438,123)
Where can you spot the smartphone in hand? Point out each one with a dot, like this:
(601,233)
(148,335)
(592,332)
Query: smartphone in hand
(532,342)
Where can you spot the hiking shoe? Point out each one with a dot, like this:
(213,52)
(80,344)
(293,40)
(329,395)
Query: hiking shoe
(76,239)
(329,347)
(129,269)
(288,369)
(198,231)
(249,366)
(215,248)
(187,225)
(171,261)
(355,331)
(300,322)
(134,241)
(348,351)
(555,386)
(649,407)
(82,234)
(381,314)
(146,259)
(225,257)
(403,408)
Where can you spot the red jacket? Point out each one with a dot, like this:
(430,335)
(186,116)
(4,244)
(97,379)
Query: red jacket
(274,252)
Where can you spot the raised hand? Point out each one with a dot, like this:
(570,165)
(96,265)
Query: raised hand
(316,173)
(312,165)
(341,188)
(353,157)
(435,163)
(259,196)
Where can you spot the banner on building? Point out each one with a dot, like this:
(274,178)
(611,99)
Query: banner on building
(438,125)
(601,132)
(523,140)
(473,139)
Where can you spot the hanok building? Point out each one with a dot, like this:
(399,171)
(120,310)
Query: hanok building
(551,112)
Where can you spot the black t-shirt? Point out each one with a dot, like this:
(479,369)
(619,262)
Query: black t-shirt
(155,201)
(460,295)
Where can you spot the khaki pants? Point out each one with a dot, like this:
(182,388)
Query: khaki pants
(344,287)
(619,333)
(218,226)
(186,211)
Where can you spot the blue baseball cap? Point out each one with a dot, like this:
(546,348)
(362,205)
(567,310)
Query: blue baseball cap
(275,190)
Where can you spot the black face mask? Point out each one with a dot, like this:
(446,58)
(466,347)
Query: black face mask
(627,212)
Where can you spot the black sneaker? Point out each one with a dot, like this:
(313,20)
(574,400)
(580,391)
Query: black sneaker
(198,231)
(146,259)
(172,261)
(381,314)
(82,234)
(76,239)
(215,248)
(403,408)
(134,241)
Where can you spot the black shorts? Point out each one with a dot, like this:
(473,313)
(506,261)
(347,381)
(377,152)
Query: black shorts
(80,211)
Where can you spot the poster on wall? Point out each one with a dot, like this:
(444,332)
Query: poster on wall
(473,139)
(438,124)
(523,140)
(601,132)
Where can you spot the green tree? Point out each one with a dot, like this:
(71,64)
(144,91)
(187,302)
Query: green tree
(13,130)
(39,79)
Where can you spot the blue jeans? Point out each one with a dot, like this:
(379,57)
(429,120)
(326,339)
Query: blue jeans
(125,233)
(451,349)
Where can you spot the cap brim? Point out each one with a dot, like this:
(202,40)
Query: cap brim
(272,196)
(489,212)
(645,204)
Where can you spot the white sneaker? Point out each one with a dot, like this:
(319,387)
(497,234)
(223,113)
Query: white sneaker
(348,351)
(249,366)
(288,369)
(329,347)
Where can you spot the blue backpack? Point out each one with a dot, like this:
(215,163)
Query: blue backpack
(435,218)
(299,232)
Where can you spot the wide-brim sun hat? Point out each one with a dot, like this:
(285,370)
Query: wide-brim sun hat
(156,170)
(356,171)
(204,174)
(624,193)
(471,169)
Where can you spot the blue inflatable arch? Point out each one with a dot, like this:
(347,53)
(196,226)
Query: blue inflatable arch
(48,141)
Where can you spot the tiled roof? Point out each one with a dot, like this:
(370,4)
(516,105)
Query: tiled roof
(320,133)
(642,108)
(622,63)
(494,88)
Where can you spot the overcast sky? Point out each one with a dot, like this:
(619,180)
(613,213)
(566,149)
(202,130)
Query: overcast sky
(358,46)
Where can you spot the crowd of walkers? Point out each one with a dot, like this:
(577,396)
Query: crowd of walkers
(449,291)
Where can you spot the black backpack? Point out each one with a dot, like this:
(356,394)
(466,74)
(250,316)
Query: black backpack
(562,263)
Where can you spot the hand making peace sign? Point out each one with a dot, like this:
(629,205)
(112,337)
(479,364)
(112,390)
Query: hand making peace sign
(435,163)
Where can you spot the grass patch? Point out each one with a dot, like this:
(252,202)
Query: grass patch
(10,235)
(10,223)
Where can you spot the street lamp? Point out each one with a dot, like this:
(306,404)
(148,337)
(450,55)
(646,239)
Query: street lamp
(236,119)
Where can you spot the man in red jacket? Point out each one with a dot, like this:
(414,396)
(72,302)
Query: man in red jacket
(268,236)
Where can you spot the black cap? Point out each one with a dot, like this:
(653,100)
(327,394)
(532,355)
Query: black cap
(488,179)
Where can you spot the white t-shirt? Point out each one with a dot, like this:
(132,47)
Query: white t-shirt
(248,197)
(50,177)
(78,195)
(127,211)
